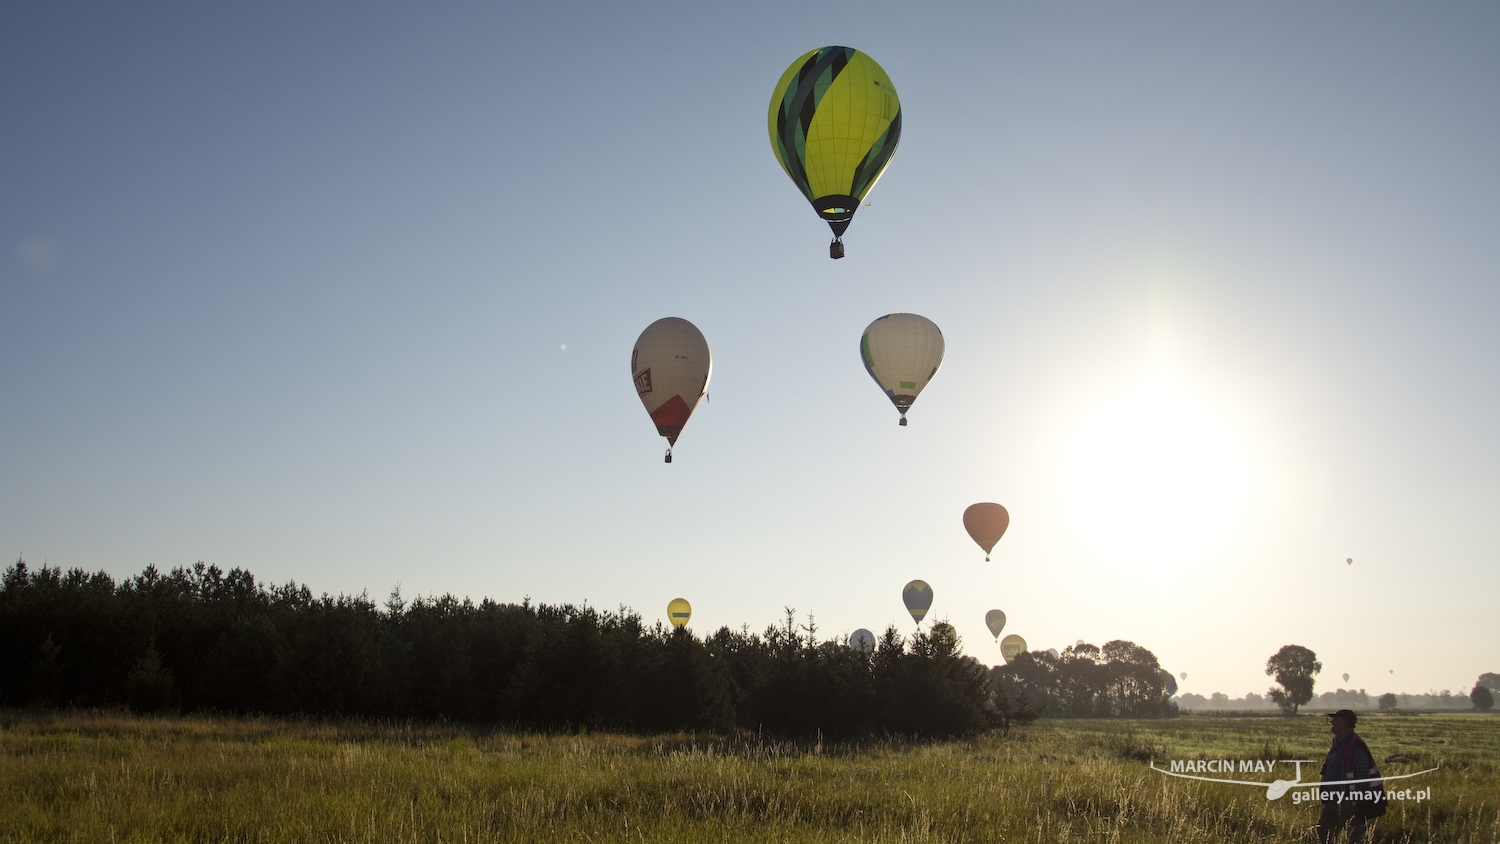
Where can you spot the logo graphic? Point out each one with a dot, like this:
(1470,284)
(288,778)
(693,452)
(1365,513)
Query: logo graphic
(1275,789)
(643,382)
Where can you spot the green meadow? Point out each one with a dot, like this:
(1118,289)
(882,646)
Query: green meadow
(100,776)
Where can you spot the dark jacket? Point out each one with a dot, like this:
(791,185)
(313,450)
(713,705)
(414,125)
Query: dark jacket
(1342,765)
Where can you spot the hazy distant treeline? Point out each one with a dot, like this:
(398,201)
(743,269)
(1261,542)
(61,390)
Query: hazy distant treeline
(1355,699)
(203,639)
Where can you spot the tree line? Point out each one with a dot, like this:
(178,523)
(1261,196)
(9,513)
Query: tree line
(1087,681)
(202,639)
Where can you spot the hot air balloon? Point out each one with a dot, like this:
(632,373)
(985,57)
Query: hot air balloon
(835,121)
(862,640)
(1078,643)
(945,634)
(995,621)
(1052,652)
(986,523)
(671,365)
(1184,675)
(678,612)
(1346,677)
(902,352)
(1350,561)
(918,599)
(1011,646)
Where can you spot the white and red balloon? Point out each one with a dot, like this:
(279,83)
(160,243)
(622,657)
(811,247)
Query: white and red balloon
(671,365)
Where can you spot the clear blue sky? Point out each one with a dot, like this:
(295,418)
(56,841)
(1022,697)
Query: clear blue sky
(287,288)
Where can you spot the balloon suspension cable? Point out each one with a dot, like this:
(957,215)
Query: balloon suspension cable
(836,248)
(669,455)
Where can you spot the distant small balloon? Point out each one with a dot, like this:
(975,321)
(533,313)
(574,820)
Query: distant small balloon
(862,640)
(1079,643)
(986,523)
(1350,561)
(678,612)
(1052,652)
(943,632)
(1184,675)
(995,621)
(918,599)
(1346,677)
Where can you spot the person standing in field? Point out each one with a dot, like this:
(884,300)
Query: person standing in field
(1348,759)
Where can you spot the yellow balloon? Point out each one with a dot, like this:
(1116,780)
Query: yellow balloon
(678,612)
(835,121)
(1012,646)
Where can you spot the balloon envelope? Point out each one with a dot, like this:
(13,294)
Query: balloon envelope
(1079,643)
(678,612)
(918,599)
(671,365)
(986,523)
(1052,652)
(1350,561)
(835,122)
(1346,678)
(945,633)
(862,640)
(1011,646)
(995,621)
(1184,675)
(902,352)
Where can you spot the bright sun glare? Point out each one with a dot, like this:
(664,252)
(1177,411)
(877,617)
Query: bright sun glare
(1157,476)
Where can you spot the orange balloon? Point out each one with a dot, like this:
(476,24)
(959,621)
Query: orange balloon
(986,523)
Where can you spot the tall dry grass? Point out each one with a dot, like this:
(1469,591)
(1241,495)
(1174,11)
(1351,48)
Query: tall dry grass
(113,777)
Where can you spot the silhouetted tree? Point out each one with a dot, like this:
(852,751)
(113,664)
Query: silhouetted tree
(1482,698)
(46,677)
(1293,668)
(1082,681)
(148,686)
(1387,702)
(1009,712)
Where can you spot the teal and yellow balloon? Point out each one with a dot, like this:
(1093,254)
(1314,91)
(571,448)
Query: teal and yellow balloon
(835,122)
(917,596)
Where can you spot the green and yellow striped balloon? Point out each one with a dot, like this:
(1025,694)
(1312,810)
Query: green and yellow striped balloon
(835,121)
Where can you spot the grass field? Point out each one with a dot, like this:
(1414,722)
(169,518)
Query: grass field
(112,777)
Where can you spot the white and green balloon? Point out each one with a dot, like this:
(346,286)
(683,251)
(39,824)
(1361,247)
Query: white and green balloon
(902,352)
